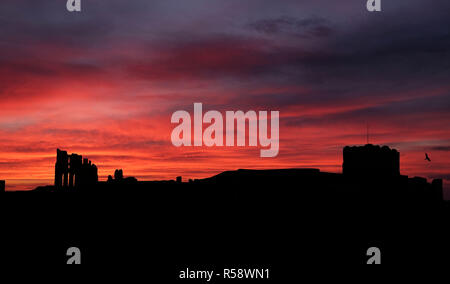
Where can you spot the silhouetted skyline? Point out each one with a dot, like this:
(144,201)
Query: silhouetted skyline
(346,213)
(367,171)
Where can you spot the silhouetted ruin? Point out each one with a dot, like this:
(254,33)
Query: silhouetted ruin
(2,186)
(118,174)
(371,160)
(119,179)
(74,171)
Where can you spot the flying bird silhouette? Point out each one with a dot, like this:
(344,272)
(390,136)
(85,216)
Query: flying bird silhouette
(427,158)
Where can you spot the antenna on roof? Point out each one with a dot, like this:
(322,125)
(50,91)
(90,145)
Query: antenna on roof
(367,133)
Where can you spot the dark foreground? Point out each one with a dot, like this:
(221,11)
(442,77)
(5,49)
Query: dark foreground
(265,223)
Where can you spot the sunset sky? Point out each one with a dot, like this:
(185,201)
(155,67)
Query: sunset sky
(104,83)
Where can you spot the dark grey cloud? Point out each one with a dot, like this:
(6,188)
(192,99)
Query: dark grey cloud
(407,114)
(441,148)
(441,176)
(306,27)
